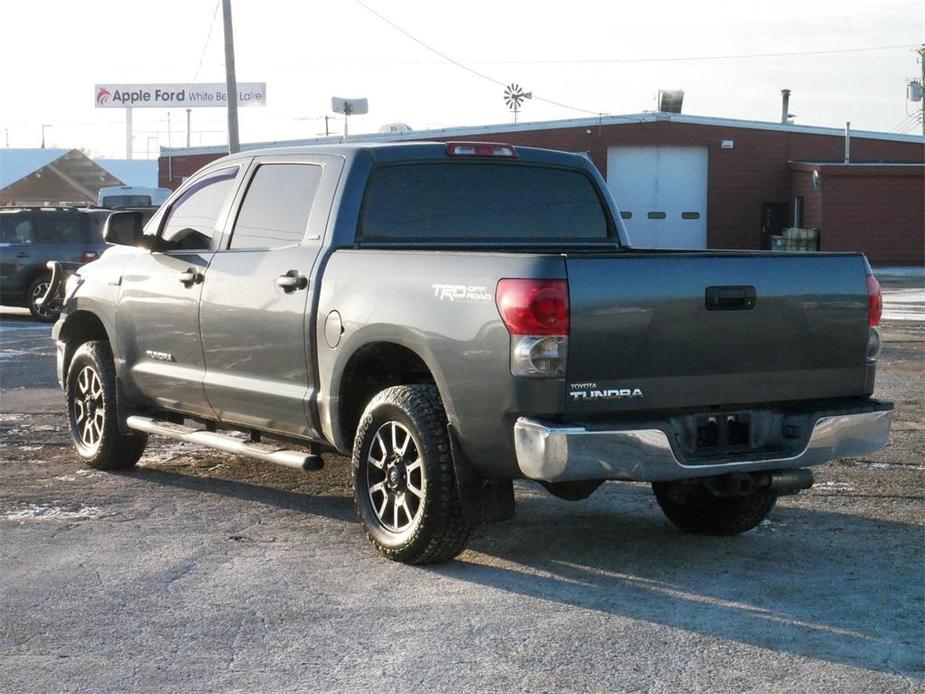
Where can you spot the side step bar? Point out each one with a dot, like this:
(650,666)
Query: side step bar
(212,439)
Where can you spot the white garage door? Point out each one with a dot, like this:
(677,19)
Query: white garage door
(661,193)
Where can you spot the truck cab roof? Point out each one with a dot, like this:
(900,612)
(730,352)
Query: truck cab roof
(407,151)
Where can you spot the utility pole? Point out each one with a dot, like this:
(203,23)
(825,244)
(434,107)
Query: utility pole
(231,82)
(921,52)
(44,125)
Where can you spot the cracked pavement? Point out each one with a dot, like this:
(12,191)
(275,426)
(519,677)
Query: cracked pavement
(198,571)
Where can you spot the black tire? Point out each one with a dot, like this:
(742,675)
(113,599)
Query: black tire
(35,292)
(408,501)
(92,411)
(694,509)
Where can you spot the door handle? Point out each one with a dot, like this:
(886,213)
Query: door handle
(292,281)
(190,276)
(22,255)
(731,298)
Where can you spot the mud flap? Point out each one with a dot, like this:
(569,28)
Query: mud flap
(482,500)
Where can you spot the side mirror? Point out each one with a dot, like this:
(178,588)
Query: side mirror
(123,228)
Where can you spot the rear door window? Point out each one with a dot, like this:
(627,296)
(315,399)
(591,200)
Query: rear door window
(481,201)
(62,227)
(277,206)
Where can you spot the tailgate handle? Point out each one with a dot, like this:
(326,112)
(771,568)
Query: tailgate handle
(731,298)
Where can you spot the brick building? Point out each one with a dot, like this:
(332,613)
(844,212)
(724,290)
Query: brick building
(696,182)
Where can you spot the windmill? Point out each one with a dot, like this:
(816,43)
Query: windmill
(514,97)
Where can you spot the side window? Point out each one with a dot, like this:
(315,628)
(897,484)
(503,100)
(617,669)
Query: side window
(61,227)
(276,207)
(190,222)
(15,229)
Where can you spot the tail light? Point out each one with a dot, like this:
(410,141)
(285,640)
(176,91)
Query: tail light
(536,314)
(874,301)
(874,313)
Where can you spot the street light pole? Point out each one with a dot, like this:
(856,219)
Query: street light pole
(231,82)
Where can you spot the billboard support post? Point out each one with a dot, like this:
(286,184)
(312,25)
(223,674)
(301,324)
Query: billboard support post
(128,133)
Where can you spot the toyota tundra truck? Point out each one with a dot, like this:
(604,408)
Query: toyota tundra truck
(456,316)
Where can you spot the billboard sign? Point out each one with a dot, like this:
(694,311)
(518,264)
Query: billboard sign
(201,95)
(349,107)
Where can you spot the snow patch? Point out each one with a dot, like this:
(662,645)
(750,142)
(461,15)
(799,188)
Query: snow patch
(834,486)
(54,512)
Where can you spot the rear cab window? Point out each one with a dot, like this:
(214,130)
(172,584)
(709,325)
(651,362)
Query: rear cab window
(126,201)
(483,202)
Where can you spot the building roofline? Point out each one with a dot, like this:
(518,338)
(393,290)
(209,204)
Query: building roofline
(918,164)
(500,128)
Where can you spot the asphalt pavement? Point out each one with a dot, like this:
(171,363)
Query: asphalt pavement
(198,571)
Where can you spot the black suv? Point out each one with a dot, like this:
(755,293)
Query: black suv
(30,237)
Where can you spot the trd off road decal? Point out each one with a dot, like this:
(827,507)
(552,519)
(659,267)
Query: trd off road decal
(460,292)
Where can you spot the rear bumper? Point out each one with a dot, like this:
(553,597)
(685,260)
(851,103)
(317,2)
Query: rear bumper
(557,453)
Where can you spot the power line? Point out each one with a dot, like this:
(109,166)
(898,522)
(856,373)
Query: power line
(905,121)
(912,125)
(205,45)
(608,61)
(685,59)
(463,66)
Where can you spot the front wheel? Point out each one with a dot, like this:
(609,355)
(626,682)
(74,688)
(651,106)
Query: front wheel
(403,481)
(92,415)
(694,509)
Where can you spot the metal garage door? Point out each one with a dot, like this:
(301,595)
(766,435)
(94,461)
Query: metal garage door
(662,194)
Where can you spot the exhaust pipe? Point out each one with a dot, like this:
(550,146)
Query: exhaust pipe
(784,482)
(780,482)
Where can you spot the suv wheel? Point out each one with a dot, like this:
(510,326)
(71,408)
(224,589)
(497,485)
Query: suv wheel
(36,291)
(694,509)
(403,482)
(91,409)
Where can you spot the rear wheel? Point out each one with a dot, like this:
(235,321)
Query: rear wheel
(92,415)
(694,509)
(37,289)
(403,481)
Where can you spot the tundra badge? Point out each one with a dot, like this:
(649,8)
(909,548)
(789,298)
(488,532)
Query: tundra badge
(590,391)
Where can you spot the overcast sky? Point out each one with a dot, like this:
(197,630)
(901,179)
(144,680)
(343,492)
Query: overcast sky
(52,53)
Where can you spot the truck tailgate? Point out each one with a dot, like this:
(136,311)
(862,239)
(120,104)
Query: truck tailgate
(679,330)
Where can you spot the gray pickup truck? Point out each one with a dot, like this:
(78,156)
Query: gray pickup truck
(455,316)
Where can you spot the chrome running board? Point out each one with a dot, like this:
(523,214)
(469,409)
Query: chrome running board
(299,460)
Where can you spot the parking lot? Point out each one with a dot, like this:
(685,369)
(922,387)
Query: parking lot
(198,571)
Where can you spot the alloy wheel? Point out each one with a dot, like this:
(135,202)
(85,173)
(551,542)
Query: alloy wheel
(395,477)
(89,408)
(38,291)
